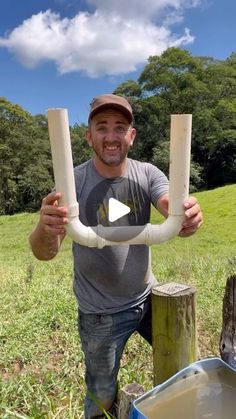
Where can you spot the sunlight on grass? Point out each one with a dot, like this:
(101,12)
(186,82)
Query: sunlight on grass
(41,363)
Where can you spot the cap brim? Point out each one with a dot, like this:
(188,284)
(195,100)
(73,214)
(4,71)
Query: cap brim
(116,106)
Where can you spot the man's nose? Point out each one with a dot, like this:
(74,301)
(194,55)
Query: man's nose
(110,135)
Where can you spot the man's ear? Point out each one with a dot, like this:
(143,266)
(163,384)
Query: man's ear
(133,135)
(88,136)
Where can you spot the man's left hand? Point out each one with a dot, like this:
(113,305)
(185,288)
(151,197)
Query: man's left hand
(193,217)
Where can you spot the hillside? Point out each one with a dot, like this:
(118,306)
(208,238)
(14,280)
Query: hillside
(41,363)
(218,230)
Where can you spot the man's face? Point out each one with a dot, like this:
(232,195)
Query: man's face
(110,136)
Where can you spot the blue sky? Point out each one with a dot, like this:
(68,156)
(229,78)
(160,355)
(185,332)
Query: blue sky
(61,53)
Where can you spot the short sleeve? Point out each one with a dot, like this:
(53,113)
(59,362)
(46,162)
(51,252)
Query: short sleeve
(158,183)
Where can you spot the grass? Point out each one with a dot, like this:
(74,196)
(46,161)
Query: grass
(41,363)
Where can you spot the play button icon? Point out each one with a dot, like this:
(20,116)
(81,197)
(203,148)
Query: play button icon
(116,210)
(119,203)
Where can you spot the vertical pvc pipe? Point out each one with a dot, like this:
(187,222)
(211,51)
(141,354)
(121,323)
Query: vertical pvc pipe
(59,134)
(180,151)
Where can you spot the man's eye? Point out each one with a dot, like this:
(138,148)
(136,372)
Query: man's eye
(102,130)
(120,130)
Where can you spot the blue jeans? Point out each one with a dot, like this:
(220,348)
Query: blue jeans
(103,338)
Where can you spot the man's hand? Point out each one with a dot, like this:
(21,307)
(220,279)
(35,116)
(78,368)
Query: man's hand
(52,217)
(193,217)
(46,238)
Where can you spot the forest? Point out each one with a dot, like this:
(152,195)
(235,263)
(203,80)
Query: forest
(174,82)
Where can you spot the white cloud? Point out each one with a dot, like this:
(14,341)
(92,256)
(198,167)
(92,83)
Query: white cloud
(139,9)
(116,38)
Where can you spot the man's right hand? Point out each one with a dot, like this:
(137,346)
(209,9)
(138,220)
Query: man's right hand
(53,218)
(46,238)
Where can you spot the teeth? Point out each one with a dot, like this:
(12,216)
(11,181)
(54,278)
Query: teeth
(111,147)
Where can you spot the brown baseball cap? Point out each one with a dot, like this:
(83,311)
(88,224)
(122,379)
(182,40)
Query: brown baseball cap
(109,101)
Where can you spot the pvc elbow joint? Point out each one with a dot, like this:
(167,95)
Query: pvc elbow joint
(99,236)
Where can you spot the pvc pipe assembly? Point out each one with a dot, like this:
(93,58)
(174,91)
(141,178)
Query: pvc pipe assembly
(99,236)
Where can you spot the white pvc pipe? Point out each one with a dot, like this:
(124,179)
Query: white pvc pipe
(99,236)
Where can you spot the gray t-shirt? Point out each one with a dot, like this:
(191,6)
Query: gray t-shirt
(115,278)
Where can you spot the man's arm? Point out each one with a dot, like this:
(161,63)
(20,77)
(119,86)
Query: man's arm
(46,238)
(193,215)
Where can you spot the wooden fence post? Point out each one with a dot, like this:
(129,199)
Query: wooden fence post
(173,329)
(228,332)
(126,397)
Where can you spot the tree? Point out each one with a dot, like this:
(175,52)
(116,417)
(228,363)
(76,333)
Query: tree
(176,82)
(80,148)
(25,164)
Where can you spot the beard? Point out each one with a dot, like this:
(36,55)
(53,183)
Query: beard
(111,160)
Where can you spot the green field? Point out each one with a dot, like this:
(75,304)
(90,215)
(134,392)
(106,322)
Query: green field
(41,363)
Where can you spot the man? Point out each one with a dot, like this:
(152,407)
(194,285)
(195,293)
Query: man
(112,284)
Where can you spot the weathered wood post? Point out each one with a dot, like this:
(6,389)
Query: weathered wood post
(126,397)
(173,329)
(228,332)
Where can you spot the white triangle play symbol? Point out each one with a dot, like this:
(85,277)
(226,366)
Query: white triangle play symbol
(116,209)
